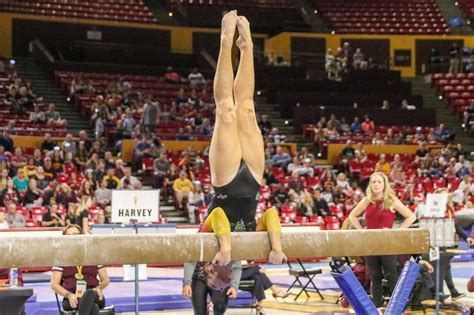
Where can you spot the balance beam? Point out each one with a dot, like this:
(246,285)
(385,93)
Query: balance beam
(74,250)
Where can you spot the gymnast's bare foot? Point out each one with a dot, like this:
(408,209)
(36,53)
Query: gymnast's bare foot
(245,38)
(229,22)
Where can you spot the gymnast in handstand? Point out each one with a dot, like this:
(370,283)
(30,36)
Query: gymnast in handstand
(236,154)
(237,163)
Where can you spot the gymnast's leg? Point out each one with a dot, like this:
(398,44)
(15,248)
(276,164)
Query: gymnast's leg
(225,154)
(251,141)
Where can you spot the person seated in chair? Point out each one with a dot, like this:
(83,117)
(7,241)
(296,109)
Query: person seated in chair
(79,286)
(261,283)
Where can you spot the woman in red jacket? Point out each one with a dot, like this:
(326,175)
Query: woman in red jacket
(381,206)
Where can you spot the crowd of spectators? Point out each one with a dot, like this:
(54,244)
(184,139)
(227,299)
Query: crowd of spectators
(344,59)
(24,107)
(62,182)
(339,130)
(122,110)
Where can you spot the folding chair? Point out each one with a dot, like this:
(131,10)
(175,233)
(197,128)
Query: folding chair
(302,272)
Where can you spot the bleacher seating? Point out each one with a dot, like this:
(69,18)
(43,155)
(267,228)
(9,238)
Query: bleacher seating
(457,88)
(383,16)
(209,12)
(468,7)
(22,125)
(116,10)
(164,92)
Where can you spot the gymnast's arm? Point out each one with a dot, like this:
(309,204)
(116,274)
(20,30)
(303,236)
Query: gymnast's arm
(236,275)
(218,223)
(189,268)
(270,222)
(356,212)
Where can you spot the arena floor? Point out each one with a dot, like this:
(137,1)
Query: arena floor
(164,287)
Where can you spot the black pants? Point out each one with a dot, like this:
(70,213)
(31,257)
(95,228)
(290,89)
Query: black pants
(200,290)
(262,282)
(89,304)
(448,277)
(389,266)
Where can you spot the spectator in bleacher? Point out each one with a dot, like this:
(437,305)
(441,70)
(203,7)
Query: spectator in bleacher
(454,54)
(385,105)
(172,76)
(52,218)
(37,116)
(4,177)
(54,118)
(102,218)
(304,154)
(422,150)
(58,160)
(77,86)
(65,195)
(268,175)
(30,168)
(48,144)
(84,138)
(275,136)
(103,195)
(351,202)
(280,158)
(161,169)
(397,175)
(6,141)
(196,199)
(382,165)
(109,160)
(442,134)
(113,182)
(280,196)
(330,65)
(10,194)
(129,180)
(348,151)
(463,167)
(150,116)
(15,220)
(333,123)
(99,170)
(182,186)
(183,134)
(343,182)
(327,193)
(327,178)
(49,170)
(295,185)
(356,126)
(306,208)
(368,125)
(2,68)
(406,106)
(24,101)
(3,222)
(32,196)
(18,160)
(87,189)
(431,137)
(13,101)
(196,78)
(20,181)
(359,60)
(4,156)
(377,139)
(69,145)
(264,124)
(320,206)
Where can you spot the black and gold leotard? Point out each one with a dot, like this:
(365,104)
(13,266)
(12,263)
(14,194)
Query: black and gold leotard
(239,200)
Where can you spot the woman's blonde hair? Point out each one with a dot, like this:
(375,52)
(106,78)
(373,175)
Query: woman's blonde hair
(388,197)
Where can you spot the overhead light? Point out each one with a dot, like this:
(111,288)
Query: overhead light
(315,11)
(440,97)
(170,14)
(286,122)
(333,32)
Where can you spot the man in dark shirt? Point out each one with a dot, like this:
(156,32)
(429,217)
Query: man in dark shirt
(48,144)
(52,217)
(320,205)
(6,141)
(280,196)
